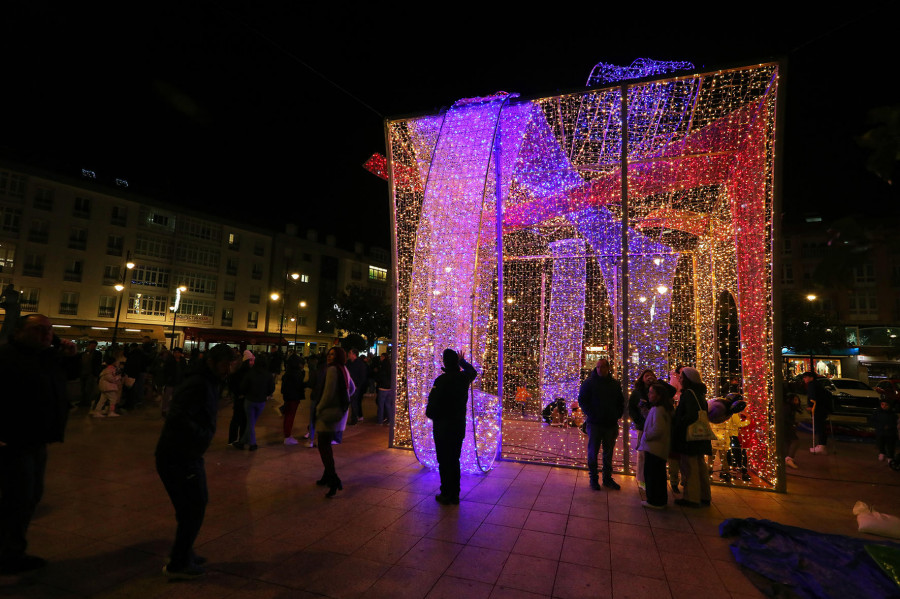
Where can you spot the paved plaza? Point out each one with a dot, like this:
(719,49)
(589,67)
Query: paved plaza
(524,531)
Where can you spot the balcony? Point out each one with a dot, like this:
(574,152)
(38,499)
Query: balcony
(72,276)
(228,296)
(119,221)
(38,236)
(254,299)
(77,244)
(231,270)
(68,309)
(226,322)
(33,271)
(112,250)
(106,312)
(28,305)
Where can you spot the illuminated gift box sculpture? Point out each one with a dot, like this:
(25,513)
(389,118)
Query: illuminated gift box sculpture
(511,226)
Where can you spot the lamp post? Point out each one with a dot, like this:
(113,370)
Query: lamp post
(296,320)
(275,296)
(178,291)
(120,287)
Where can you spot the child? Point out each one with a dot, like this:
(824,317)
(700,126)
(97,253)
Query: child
(656,443)
(110,386)
(885,422)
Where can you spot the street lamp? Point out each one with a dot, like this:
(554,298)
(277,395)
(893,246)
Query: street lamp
(296,320)
(120,287)
(178,291)
(274,295)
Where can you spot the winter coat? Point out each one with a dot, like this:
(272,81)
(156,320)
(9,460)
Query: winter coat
(191,420)
(601,400)
(449,395)
(657,437)
(338,388)
(110,383)
(686,414)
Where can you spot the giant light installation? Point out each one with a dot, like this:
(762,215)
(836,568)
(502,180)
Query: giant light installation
(510,230)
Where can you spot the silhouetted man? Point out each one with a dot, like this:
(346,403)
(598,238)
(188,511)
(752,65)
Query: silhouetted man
(603,403)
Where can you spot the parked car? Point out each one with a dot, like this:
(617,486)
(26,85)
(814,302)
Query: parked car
(852,397)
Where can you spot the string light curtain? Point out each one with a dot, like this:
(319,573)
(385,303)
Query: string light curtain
(498,197)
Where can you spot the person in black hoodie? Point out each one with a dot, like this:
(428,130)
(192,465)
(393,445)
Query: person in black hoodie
(447,409)
(33,413)
(186,435)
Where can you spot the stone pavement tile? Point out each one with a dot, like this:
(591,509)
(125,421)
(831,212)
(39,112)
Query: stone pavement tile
(500,592)
(733,578)
(641,561)
(431,555)
(703,524)
(716,548)
(676,541)
(474,510)
(518,498)
(414,523)
(590,506)
(587,528)
(387,547)
(454,528)
(539,544)
(633,586)
(494,536)
(684,590)
(449,587)
(670,519)
(346,577)
(478,563)
(586,552)
(403,499)
(691,570)
(582,582)
(508,516)
(559,503)
(532,574)
(628,514)
(546,522)
(488,491)
(631,535)
(346,540)
(401,582)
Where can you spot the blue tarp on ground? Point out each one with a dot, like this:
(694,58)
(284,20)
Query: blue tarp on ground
(796,562)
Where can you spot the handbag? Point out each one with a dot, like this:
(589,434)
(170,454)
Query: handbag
(700,430)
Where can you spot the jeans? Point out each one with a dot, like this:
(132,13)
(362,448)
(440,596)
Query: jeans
(185,482)
(385,400)
(448,440)
(253,409)
(601,438)
(238,423)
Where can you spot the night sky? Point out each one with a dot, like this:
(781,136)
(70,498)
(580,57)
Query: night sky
(265,111)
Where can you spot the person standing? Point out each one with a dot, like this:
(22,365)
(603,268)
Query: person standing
(694,470)
(638,408)
(359,372)
(331,414)
(656,443)
(173,372)
(602,402)
(33,412)
(91,365)
(186,435)
(292,386)
(447,410)
(820,400)
(256,387)
(384,384)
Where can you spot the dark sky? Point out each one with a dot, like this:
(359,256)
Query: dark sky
(266,111)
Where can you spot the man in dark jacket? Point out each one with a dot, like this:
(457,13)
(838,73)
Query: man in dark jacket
(447,409)
(186,435)
(820,400)
(603,403)
(33,413)
(359,372)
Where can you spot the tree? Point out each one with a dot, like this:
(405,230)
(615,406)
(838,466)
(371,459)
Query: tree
(883,142)
(805,329)
(362,311)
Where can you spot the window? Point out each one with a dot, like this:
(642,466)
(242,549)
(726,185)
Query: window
(356,271)
(787,246)
(787,273)
(148,305)
(114,245)
(234,241)
(77,238)
(200,229)
(227,316)
(7,257)
(808,270)
(82,208)
(73,271)
(863,304)
(257,272)
(304,278)
(150,276)
(255,294)
(198,282)
(301,321)
(107,306)
(377,274)
(152,247)
(229,294)
(379,254)
(29,298)
(40,230)
(196,307)
(231,267)
(68,303)
(252,319)
(864,275)
(199,255)
(34,265)
(119,216)
(112,274)
(259,249)
(10,219)
(43,199)
(12,185)
(151,218)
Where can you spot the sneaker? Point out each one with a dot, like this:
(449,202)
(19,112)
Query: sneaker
(880,457)
(311,444)
(611,484)
(445,500)
(819,449)
(335,442)
(652,507)
(306,436)
(290,441)
(789,462)
(186,573)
